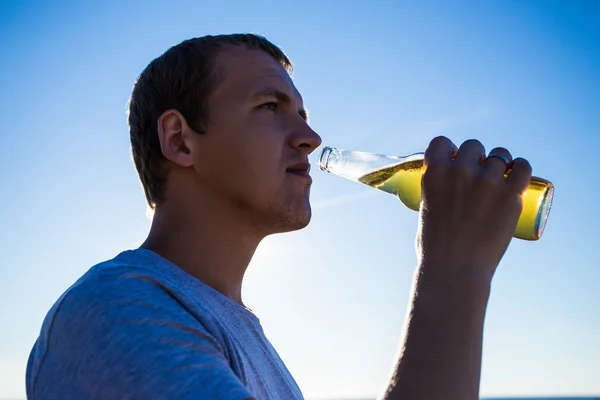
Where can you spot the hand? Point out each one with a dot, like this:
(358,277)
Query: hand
(469,211)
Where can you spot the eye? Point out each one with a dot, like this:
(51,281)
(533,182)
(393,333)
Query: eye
(271,106)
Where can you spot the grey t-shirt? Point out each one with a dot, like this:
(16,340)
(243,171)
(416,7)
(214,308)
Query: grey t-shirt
(139,327)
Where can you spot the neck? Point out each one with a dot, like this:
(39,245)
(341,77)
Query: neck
(209,244)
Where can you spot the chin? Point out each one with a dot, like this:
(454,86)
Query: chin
(292,220)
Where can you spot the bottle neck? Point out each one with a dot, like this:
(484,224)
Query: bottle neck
(355,164)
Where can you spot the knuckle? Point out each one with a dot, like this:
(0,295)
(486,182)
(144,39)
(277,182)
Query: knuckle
(472,143)
(439,141)
(440,138)
(521,166)
(472,146)
(503,151)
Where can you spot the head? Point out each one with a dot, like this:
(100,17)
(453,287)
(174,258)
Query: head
(219,118)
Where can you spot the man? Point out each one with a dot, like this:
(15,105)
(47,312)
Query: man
(221,142)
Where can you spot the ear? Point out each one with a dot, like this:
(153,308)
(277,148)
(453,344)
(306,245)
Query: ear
(172,129)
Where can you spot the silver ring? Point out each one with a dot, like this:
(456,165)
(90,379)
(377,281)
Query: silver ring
(500,156)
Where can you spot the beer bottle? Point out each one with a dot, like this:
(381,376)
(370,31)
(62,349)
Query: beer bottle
(401,176)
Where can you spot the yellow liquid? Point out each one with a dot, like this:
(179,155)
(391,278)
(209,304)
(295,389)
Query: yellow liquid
(404,181)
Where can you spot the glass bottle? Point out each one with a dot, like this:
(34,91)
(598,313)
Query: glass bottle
(401,176)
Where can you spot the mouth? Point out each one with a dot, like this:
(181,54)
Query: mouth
(300,169)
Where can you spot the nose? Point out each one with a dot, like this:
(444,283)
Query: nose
(306,139)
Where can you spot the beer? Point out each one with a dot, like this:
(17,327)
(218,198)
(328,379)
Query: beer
(401,176)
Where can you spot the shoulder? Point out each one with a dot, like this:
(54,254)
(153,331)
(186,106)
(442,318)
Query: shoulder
(118,293)
(110,287)
(130,280)
(125,327)
(121,301)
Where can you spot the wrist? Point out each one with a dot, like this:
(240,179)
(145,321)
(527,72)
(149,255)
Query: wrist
(452,287)
(447,278)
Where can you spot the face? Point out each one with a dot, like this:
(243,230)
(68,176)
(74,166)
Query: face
(254,153)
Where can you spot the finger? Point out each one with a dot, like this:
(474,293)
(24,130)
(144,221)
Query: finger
(440,151)
(470,153)
(520,175)
(497,162)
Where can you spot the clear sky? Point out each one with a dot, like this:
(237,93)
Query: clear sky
(376,76)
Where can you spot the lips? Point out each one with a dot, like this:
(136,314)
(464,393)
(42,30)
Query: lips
(300,169)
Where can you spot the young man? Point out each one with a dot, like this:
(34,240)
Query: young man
(221,143)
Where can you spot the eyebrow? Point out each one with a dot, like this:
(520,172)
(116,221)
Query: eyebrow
(280,96)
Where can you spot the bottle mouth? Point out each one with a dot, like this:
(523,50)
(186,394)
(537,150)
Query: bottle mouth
(324,158)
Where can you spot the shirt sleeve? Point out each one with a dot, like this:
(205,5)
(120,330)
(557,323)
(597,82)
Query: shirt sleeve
(124,336)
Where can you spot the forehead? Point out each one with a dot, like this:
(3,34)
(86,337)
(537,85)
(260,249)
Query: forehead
(242,71)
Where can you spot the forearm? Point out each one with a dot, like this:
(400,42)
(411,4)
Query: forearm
(441,353)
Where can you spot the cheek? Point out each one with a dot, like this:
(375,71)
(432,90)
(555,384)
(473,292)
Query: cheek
(248,155)
(249,170)
(263,171)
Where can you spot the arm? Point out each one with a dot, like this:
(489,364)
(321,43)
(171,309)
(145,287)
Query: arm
(468,216)
(441,353)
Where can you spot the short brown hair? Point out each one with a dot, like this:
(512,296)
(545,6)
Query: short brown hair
(182,78)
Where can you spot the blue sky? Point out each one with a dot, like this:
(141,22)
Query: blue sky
(382,77)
